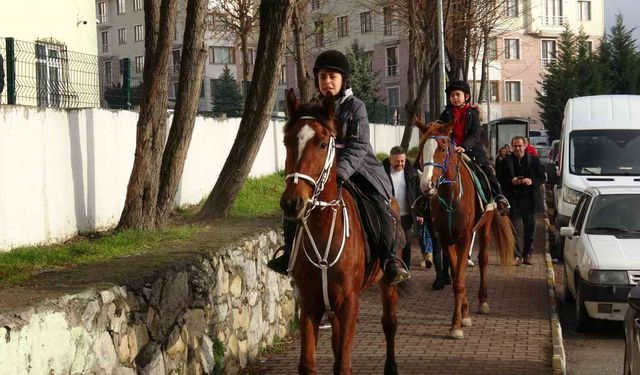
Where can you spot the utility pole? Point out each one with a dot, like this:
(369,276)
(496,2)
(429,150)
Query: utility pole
(443,95)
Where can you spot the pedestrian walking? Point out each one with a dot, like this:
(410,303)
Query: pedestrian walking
(521,176)
(406,188)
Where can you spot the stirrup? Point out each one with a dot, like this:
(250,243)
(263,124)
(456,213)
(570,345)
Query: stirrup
(502,199)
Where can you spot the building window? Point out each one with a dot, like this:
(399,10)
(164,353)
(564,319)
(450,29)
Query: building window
(392,61)
(138,33)
(104,38)
(512,8)
(139,63)
(319,27)
(552,14)
(387,15)
(393,102)
(584,10)
(212,87)
(365,22)
(315,4)
(589,46)
(202,89)
(122,36)
(493,91)
(108,72)
(137,5)
(283,75)
(102,12)
(342,26)
(48,76)
(512,49)
(175,56)
(512,91)
(548,52)
(121,6)
(492,49)
(222,55)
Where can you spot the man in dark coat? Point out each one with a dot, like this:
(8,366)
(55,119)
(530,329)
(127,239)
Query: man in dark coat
(406,189)
(521,176)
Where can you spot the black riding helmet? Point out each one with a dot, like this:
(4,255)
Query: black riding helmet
(458,85)
(334,60)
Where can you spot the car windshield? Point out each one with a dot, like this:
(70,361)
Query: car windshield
(615,213)
(604,152)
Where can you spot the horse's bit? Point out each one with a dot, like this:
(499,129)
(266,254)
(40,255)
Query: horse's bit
(322,262)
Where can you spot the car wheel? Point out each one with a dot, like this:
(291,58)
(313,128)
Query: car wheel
(583,320)
(568,297)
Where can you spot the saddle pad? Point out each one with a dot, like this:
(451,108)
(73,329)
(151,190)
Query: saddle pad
(480,181)
(369,219)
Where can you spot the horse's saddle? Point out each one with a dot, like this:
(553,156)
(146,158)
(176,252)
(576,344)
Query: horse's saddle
(371,224)
(481,182)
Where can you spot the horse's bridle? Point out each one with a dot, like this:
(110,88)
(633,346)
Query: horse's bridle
(454,202)
(321,262)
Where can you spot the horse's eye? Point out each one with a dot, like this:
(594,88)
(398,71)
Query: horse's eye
(323,145)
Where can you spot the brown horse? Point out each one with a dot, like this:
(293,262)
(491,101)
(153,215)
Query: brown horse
(458,216)
(328,261)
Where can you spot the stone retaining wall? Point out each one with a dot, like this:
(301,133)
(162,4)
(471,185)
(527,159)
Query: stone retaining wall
(179,323)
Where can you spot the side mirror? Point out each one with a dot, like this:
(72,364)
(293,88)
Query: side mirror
(634,298)
(567,232)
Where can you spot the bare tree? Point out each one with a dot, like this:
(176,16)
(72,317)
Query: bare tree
(237,18)
(299,54)
(142,191)
(194,54)
(275,17)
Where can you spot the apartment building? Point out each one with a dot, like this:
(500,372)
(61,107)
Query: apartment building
(121,35)
(521,49)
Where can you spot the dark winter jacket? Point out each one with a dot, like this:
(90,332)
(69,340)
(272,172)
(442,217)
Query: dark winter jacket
(357,156)
(1,73)
(533,170)
(411,179)
(472,134)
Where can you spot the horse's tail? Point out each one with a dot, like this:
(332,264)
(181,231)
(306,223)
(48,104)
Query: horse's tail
(502,232)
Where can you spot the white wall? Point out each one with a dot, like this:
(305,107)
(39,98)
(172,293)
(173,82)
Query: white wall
(64,172)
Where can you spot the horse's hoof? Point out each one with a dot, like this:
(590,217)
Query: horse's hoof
(483,309)
(466,322)
(456,334)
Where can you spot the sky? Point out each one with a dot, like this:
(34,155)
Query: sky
(630,10)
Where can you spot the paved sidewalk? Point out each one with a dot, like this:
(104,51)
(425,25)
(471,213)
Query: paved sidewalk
(514,339)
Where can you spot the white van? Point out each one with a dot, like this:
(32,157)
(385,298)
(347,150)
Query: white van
(599,146)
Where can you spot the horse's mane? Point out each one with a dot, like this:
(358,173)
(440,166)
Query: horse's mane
(312,109)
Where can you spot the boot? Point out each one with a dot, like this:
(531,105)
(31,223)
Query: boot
(280,263)
(502,204)
(394,274)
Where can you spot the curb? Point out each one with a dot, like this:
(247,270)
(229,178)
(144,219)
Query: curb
(558,359)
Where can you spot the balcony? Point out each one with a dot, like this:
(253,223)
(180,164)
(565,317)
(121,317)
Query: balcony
(553,21)
(546,61)
(104,48)
(103,21)
(391,71)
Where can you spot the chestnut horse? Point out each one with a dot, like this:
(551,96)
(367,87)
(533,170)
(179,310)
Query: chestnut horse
(458,216)
(328,261)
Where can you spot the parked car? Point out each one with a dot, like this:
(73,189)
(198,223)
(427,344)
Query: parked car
(601,257)
(632,334)
(539,137)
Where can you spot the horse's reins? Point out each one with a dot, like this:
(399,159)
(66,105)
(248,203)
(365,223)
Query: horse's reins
(451,205)
(318,186)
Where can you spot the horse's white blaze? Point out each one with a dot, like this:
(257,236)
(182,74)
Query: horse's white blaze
(305,134)
(428,150)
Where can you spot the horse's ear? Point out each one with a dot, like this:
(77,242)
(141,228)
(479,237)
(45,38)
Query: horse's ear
(292,102)
(421,125)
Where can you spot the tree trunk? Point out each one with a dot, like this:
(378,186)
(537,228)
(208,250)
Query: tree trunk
(275,17)
(191,70)
(484,65)
(304,79)
(244,48)
(142,191)
(410,107)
